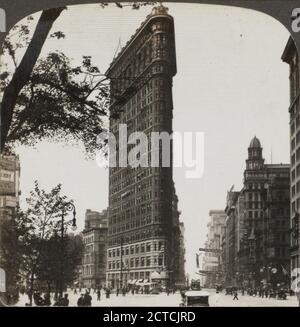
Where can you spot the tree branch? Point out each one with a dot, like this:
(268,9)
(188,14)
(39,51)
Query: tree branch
(24,70)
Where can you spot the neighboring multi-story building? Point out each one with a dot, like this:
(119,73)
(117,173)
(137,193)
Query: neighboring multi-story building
(93,270)
(140,198)
(177,275)
(266,189)
(231,240)
(9,200)
(181,277)
(290,56)
(9,184)
(257,225)
(212,260)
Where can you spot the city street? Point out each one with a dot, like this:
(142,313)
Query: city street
(173,300)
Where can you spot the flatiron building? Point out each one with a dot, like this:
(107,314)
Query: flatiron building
(140,198)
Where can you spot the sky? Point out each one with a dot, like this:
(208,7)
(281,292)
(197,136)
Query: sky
(231,85)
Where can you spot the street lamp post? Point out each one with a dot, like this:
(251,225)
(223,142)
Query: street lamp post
(121,268)
(66,207)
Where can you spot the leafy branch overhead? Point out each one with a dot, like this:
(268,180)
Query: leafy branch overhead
(49,98)
(59,102)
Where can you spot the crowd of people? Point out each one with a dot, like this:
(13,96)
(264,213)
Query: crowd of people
(85,299)
(262,292)
(85,295)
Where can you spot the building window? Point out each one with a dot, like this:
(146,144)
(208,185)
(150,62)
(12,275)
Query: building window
(148,261)
(148,247)
(132,250)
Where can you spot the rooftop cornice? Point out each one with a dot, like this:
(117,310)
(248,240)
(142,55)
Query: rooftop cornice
(156,12)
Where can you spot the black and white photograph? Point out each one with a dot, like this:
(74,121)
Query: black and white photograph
(150,156)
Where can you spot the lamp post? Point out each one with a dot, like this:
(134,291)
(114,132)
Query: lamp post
(65,207)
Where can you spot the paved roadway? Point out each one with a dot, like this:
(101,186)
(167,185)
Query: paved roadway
(173,300)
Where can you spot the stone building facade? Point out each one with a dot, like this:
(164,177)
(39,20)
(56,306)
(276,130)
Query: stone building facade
(257,226)
(9,184)
(140,198)
(290,56)
(94,235)
(212,264)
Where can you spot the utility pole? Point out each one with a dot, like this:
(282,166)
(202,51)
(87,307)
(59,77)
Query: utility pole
(61,272)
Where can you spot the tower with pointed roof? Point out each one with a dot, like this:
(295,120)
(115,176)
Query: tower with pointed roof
(255,160)
(266,216)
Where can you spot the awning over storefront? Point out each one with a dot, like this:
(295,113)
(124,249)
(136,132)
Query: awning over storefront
(155,275)
(159,275)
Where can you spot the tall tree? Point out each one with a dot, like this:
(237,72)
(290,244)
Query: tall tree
(37,226)
(48,272)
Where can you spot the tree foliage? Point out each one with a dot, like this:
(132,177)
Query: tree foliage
(35,230)
(59,102)
(48,98)
(48,272)
(24,69)
(10,258)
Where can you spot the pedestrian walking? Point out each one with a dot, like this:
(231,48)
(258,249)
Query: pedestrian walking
(98,295)
(87,300)
(47,299)
(267,293)
(80,302)
(64,302)
(235,297)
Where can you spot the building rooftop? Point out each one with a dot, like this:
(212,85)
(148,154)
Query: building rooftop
(289,51)
(156,11)
(255,143)
(280,165)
